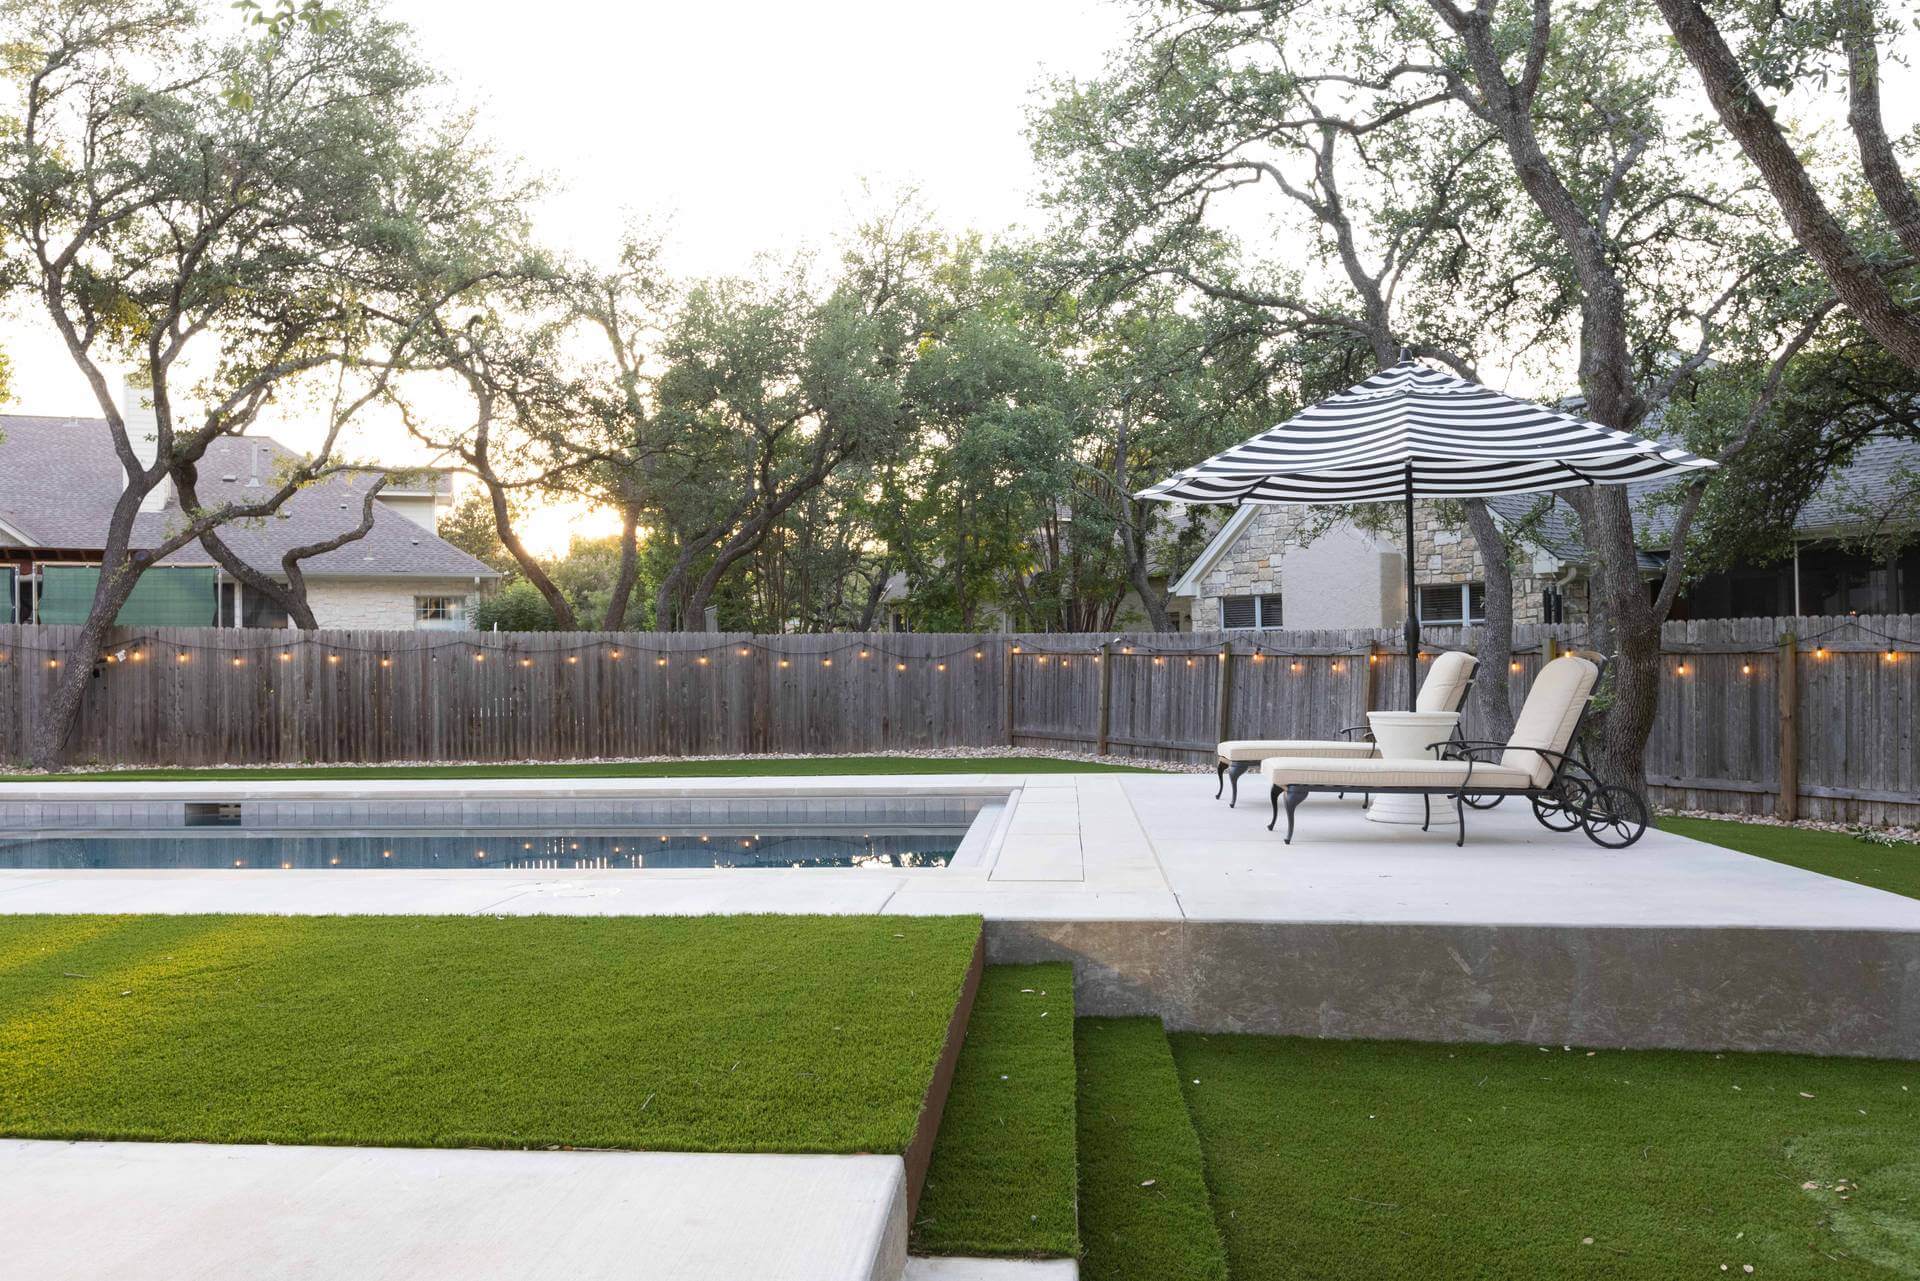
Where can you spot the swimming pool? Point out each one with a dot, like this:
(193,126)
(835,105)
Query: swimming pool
(581,834)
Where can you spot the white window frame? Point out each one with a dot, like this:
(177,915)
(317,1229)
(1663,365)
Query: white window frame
(454,619)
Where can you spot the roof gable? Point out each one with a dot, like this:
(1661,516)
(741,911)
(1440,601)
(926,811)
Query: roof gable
(60,479)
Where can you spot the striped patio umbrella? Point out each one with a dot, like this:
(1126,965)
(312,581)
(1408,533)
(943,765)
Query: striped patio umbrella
(1413,432)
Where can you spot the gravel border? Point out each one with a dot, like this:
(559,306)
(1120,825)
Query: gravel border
(930,753)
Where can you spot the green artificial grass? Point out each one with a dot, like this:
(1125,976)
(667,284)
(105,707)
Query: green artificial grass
(1144,1209)
(741,767)
(1342,1159)
(1894,868)
(741,1034)
(1002,1178)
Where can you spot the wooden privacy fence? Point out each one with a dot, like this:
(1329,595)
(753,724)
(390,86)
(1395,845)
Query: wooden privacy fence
(1809,717)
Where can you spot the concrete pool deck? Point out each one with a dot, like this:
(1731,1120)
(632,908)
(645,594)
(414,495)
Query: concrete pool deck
(1170,903)
(1086,847)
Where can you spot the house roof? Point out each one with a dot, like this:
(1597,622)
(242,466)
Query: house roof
(60,478)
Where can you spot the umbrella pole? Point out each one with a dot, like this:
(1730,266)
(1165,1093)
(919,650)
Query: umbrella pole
(1413,615)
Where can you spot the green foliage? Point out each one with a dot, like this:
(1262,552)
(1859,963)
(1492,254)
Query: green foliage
(711,1034)
(516,607)
(1002,1178)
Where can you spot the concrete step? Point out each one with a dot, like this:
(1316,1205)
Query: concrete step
(1144,1205)
(232,1212)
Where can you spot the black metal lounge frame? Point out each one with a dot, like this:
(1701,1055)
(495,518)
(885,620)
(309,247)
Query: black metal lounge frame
(1230,772)
(1612,816)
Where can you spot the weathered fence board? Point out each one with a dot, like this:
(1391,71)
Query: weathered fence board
(1843,724)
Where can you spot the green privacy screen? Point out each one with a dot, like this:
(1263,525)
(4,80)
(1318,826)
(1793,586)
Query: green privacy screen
(162,597)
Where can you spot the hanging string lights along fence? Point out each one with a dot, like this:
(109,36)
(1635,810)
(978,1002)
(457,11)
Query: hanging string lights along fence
(140,649)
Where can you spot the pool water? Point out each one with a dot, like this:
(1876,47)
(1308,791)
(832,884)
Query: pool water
(549,849)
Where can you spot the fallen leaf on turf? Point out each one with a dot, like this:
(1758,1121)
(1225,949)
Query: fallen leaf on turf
(1149,1183)
(1586,1240)
(1805,1095)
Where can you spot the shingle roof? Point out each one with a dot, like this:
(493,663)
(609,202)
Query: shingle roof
(59,480)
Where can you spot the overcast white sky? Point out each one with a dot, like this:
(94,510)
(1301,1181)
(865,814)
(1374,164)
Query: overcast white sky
(747,126)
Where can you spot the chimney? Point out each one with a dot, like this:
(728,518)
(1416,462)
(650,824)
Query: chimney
(143,433)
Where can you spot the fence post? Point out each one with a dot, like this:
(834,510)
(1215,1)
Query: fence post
(1789,682)
(1370,692)
(1010,648)
(1104,721)
(1549,649)
(1223,694)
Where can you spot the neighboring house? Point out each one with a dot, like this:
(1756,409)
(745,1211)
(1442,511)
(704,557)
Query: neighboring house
(59,481)
(1260,572)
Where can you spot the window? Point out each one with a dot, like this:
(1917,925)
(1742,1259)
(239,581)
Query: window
(1553,606)
(1453,603)
(437,612)
(7,576)
(1250,611)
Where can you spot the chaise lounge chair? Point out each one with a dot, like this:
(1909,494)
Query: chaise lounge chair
(1538,762)
(1445,689)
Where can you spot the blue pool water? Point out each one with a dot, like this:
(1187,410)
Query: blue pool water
(548,849)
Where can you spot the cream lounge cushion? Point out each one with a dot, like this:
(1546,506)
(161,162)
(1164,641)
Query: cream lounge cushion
(1324,771)
(1259,749)
(1441,691)
(1548,716)
(1446,682)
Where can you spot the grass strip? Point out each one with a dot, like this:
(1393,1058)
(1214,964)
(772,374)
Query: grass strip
(1002,1178)
(1345,1159)
(1144,1209)
(723,1034)
(744,767)
(1894,868)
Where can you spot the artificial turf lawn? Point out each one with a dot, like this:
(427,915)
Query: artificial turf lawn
(1894,868)
(741,1033)
(1002,1178)
(1144,1210)
(746,767)
(1345,1159)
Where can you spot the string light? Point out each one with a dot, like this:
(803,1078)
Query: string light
(481,658)
(285,657)
(1514,666)
(388,662)
(239,661)
(978,654)
(182,657)
(901,667)
(940,667)
(660,661)
(1294,667)
(1373,660)
(53,662)
(1259,657)
(526,662)
(826,662)
(702,660)
(614,654)
(1821,652)
(783,662)
(1336,667)
(573,658)
(1681,670)
(333,658)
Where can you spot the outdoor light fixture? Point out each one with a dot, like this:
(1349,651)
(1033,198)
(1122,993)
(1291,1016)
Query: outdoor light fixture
(826,662)
(941,667)
(1514,666)
(702,660)
(783,662)
(661,661)
(479,658)
(239,662)
(1821,652)
(614,654)
(1259,658)
(388,662)
(333,658)
(284,657)
(1746,669)
(183,658)
(1681,670)
(899,667)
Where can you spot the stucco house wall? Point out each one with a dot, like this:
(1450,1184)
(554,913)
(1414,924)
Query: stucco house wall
(385,604)
(1343,578)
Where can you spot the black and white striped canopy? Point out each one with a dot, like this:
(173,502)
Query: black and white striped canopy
(1448,437)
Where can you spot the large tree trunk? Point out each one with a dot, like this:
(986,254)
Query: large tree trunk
(629,569)
(1490,686)
(531,568)
(1626,624)
(47,746)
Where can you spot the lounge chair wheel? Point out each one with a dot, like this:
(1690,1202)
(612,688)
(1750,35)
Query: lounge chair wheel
(1616,817)
(1483,802)
(1562,813)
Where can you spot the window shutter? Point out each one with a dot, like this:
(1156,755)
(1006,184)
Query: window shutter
(1236,611)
